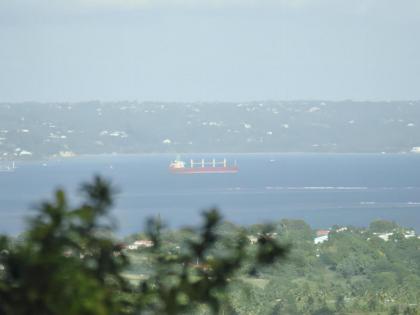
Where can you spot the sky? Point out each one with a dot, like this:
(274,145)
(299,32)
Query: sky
(209,50)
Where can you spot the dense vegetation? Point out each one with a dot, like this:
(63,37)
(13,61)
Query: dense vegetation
(42,130)
(354,272)
(68,262)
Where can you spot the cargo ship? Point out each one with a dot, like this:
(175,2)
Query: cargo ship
(202,167)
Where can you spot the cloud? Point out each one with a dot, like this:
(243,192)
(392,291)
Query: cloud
(193,3)
(160,3)
(360,7)
(381,8)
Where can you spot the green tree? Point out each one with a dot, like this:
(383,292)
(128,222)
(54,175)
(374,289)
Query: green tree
(340,303)
(381,226)
(395,310)
(410,311)
(68,263)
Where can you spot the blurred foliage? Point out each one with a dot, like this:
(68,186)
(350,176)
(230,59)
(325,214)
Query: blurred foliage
(68,262)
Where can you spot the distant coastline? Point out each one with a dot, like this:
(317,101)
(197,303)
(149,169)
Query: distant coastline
(199,154)
(40,131)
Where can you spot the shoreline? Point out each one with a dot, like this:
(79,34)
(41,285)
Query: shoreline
(146,154)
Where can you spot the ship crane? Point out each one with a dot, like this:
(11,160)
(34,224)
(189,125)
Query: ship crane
(203,167)
(212,163)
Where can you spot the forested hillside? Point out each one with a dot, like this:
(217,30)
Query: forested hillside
(40,130)
(353,271)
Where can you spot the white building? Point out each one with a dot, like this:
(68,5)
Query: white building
(385,236)
(320,239)
(24,152)
(140,243)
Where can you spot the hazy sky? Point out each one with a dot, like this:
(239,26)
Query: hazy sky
(209,50)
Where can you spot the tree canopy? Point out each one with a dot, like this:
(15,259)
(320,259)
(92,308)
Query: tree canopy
(68,262)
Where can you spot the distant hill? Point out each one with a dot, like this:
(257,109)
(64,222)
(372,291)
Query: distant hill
(42,130)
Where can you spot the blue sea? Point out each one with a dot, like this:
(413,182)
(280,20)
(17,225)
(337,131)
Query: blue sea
(322,189)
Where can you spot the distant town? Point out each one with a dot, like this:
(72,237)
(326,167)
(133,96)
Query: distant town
(37,131)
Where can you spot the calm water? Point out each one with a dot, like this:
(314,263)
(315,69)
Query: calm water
(322,189)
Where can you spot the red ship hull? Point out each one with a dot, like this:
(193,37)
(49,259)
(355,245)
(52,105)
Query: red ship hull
(204,170)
